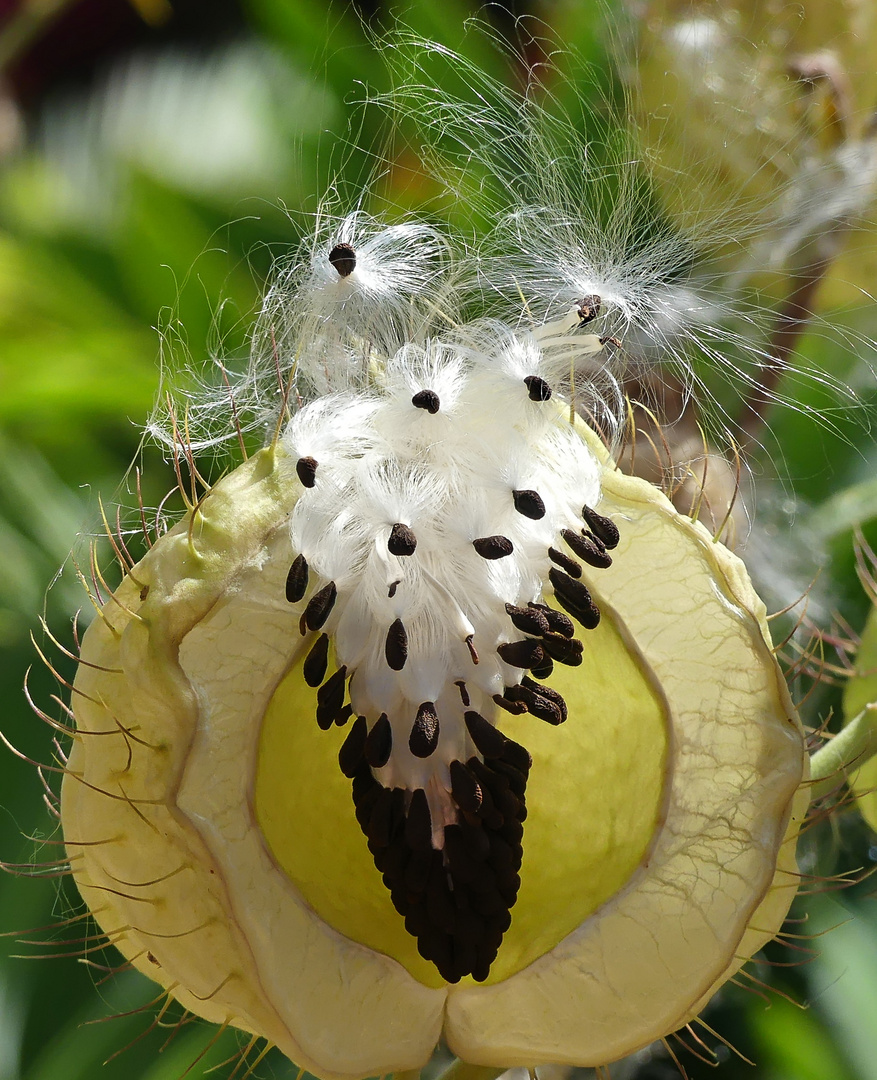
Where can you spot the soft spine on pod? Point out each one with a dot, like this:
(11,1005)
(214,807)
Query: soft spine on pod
(443,484)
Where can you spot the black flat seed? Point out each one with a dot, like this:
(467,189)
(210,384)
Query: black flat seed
(501,856)
(488,740)
(589,308)
(306,467)
(363,810)
(330,698)
(574,596)
(425,731)
(546,692)
(463,868)
(509,805)
(394,585)
(397,855)
(416,876)
(464,693)
(364,784)
(418,823)
(528,620)
(426,399)
(465,788)
(489,815)
(314,667)
(396,646)
(558,622)
(485,883)
(477,840)
(536,704)
(481,968)
(588,548)
(320,607)
(537,388)
(465,953)
(344,715)
(470,926)
(501,773)
(343,258)
(544,670)
(378,828)
(493,547)
(602,527)
(515,708)
(352,749)
(521,654)
(416,921)
(297,579)
(402,540)
(399,811)
(565,562)
(517,756)
(563,649)
(529,503)
(379,743)
(489,779)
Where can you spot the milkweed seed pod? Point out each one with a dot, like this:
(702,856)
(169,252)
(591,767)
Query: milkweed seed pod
(427,722)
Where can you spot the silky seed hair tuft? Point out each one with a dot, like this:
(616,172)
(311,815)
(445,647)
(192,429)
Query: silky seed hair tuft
(682,317)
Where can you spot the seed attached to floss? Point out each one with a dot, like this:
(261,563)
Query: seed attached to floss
(316,662)
(396,647)
(306,470)
(530,504)
(379,744)
(320,607)
(537,388)
(402,540)
(343,258)
(297,580)
(588,309)
(425,731)
(426,399)
(493,547)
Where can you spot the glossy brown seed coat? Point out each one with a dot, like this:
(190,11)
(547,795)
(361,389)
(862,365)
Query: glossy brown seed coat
(529,503)
(424,731)
(602,527)
(306,467)
(379,743)
(493,547)
(297,579)
(426,399)
(320,607)
(402,540)
(396,646)
(343,258)
(314,667)
(538,389)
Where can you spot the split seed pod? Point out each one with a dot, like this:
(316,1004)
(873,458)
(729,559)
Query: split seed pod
(218,844)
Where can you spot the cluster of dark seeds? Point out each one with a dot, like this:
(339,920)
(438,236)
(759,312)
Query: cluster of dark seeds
(456,902)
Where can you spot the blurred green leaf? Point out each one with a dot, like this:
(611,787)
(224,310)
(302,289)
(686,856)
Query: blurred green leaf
(861,690)
(793,1044)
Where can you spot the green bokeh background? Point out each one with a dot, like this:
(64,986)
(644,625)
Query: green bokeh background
(143,200)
